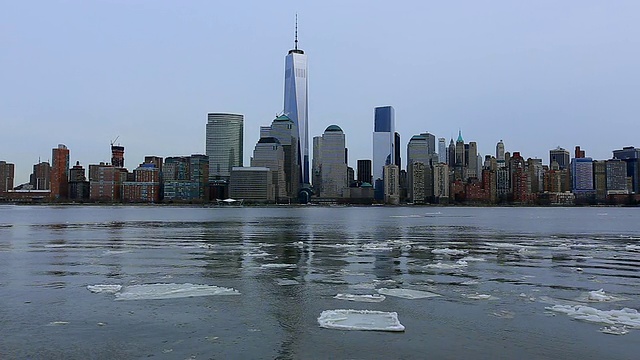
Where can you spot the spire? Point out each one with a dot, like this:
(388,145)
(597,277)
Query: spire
(296,37)
(460,136)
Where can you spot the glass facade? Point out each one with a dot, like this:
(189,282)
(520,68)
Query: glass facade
(224,144)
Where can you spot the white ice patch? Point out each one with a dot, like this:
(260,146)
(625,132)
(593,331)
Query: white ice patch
(439,265)
(614,330)
(109,289)
(407,293)
(632,248)
(365,286)
(287,282)
(470,282)
(624,317)
(361,298)
(599,296)
(377,247)
(473,259)
(477,296)
(278,266)
(450,252)
(360,320)
(171,291)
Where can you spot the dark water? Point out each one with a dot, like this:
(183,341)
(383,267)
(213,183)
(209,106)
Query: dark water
(533,258)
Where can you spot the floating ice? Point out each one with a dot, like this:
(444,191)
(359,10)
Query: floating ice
(377,247)
(361,298)
(473,259)
(624,317)
(287,282)
(54,323)
(278,266)
(407,293)
(109,289)
(447,251)
(360,320)
(614,330)
(171,291)
(477,296)
(470,282)
(632,248)
(599,296)
(363,286)
(442,266)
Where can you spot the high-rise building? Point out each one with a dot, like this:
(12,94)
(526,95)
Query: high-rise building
(561,156)
(332,163)
(60,172)
(186,178)
(442,150)
(441,183)
(78,184)
(396,150)
(631,156)
(285,130)
(600,180)
(460,151)
(296,103)
(451,154)
(224,144)
(471,159)
(105,182)
(616,173)
(383,140)
(117,156)
(579,154)
(41,177)
(364,172)
(251,184)
(391,181)
(269,153)
(500,154)
(421,150)
(7,171)
(416,185)
(582,173)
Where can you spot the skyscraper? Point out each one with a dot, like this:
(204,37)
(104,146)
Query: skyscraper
(117,156)
(7,171)
(269,153)
(296,102)
(364,171)
(224,144)
(442,150)
(500,154)
(333,166)
(561,156)
(283,129)
(60,172)
(383,140)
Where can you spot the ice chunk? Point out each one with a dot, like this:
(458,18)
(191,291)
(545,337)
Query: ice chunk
(471,258)
(439,265)
(599,295)
(361,298)
(633,248)
(278,266)
(470,282)
(614,330)
(407,293)
(624,317)
(447,251)
(171,291)
(477,296)
(360,320)
(287,282)
(109,289)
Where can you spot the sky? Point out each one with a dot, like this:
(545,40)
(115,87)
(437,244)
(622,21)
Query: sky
(536,74)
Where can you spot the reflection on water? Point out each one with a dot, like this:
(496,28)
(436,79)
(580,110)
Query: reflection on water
(494,269)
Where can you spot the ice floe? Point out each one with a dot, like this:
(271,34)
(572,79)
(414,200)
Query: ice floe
(624,317)
(287,282)
(109,289)
(278,266)
(477,296)
(447,251)
(599,296)
(360,320)
(473,259)
(361,298)
(470,282)
(407,293)
(632,248)
(439,265)
(614,330)
(171,291)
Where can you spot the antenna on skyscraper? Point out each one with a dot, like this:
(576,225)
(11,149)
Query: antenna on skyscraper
(296,41)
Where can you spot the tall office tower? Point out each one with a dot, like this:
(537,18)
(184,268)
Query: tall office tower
(616,174)
(199,176)
(536,174)
(451,154)
(396,150)
(78,184)
(579,153)
(391,181)
(582,174)
(270,154)
(442,150)
(600,180)
(561,156)
(117,156)
(332,162)
(285,130)
(41,177)
(471,158)
(224,144)
(384,129)
(364,172)
(60,172)
(421,150)
(631,156)
(416,186)
(500,152)
(7,171)
(520,186)
(441,183)
(460,151)
(296,103)
(316,165)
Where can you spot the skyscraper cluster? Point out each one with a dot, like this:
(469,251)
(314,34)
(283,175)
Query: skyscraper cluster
(282,171)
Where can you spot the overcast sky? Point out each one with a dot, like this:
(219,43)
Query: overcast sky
(537,74)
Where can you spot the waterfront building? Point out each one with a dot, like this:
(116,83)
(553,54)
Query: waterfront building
(441,183)
(397,150)
(333,167)
(364,171)
(520,186)
(631,156)
(40,179)
(616,175)
(251,184)
(442,150)
(285,130)
(421,149)
(296,103)
(561,156)
(582,174)
(145,186)
(383,141)
(185,178)
(416,187)
(500,155)
(60,172)
(269,153)
(536,174)
(391,180)
(224,144)
(78,185)
(460,152)
(105,182)
(451,154)
(600,180)
(7,173)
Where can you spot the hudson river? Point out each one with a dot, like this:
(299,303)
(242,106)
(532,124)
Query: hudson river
(119,282)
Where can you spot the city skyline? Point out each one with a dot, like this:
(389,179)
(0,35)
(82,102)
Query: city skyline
(535,75)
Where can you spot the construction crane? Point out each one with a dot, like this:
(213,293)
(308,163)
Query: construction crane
(114,140)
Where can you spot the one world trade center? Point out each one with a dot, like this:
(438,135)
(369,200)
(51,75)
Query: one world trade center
(296,103)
